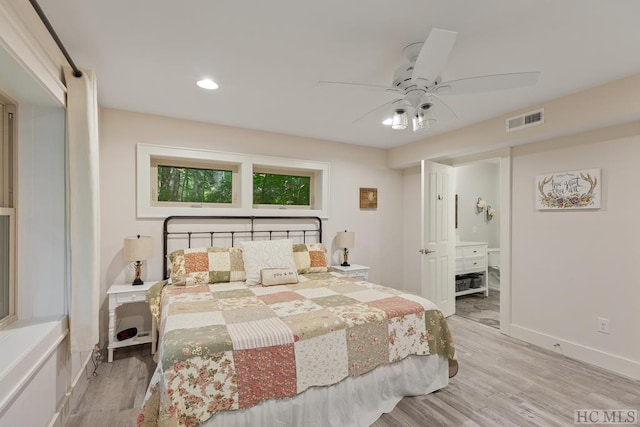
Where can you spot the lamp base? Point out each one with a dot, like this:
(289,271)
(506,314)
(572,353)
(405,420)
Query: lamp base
(345,258)
(138,281)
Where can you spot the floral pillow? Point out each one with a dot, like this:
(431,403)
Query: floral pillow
(310,258)
(196,266)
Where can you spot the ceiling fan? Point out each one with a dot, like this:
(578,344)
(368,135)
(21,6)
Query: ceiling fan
(419,84)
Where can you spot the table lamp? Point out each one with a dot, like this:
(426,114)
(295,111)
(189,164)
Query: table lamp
(346,240)
(136,250)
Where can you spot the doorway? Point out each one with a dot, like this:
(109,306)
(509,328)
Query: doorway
(478,241)
(501,203)
(499,266)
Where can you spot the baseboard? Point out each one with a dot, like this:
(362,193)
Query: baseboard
(77,388)
(620,365)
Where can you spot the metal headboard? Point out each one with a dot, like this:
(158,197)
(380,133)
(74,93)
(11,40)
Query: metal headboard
(248,228)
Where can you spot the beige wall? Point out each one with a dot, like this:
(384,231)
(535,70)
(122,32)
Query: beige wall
(571,267)
(378,241)
(411,229)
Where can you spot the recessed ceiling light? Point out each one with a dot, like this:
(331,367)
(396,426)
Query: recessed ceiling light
(207,84)
(387,122)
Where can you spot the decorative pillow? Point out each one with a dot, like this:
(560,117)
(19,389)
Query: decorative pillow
(259,254)
(310,258)
(278,276)
(196,266)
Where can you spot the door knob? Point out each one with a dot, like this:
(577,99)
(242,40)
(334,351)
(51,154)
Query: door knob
(426,251)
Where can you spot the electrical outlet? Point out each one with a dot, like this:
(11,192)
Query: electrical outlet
(603,325)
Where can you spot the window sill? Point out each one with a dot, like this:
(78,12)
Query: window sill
(26,345)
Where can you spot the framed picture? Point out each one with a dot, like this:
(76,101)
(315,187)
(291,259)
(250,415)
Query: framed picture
(368,198)
(568,190)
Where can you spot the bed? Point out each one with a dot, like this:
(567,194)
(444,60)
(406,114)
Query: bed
(256,330)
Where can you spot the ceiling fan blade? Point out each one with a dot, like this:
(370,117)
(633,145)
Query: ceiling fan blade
(433,55)
(378,109)
(442,112)
(488,83)
(358,86)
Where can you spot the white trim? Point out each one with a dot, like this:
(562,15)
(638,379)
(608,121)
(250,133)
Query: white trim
(505,241)
(145,208)
(19,41)
(10,213)
(504,158)
(27,345)
(60,418)
(620,365)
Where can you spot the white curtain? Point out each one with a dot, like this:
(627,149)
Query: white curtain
(83,209)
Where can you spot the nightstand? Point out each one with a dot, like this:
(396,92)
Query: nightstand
(126,293)
(354,270)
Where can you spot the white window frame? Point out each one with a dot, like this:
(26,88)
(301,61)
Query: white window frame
(287,171)
(7,180)
(155,161)
(11,316)
(243,193)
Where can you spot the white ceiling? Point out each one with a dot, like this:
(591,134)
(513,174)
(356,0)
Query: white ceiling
(268,56)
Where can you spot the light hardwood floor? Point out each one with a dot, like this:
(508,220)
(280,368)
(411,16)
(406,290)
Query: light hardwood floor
(501,382)
(477,307)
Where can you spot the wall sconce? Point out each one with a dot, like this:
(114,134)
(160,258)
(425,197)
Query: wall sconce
(136,250)
(490,213)
(480,205)
(345,239)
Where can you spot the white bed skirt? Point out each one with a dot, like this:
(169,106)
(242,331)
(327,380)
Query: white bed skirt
(356,402)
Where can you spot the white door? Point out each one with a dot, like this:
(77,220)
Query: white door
(438,249)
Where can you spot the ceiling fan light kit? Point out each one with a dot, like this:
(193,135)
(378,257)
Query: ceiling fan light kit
(399,120)
(420,86)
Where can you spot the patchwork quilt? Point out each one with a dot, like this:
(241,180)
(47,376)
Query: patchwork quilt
(229,346)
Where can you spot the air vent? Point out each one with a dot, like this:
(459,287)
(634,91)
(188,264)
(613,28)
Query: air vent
(525,120)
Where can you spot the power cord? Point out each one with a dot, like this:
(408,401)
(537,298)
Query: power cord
(96,357)
(96,353)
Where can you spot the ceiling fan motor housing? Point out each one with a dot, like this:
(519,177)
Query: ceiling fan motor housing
(402,77)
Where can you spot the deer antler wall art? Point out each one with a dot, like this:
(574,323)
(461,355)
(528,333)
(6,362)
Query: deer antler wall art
(569,190)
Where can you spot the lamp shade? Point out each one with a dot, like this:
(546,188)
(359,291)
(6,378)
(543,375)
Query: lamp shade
(138,248)
(346,239)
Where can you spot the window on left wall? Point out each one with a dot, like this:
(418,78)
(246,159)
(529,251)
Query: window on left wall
(7,215)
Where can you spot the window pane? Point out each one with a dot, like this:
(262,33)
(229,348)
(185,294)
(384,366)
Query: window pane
(5,246)
(195,185)
(273,189)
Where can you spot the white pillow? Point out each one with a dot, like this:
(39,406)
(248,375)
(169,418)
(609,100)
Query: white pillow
(278,276)
(259,254)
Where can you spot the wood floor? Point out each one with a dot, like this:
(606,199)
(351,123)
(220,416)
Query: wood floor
(480,308)
(477,307)
(501,382)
